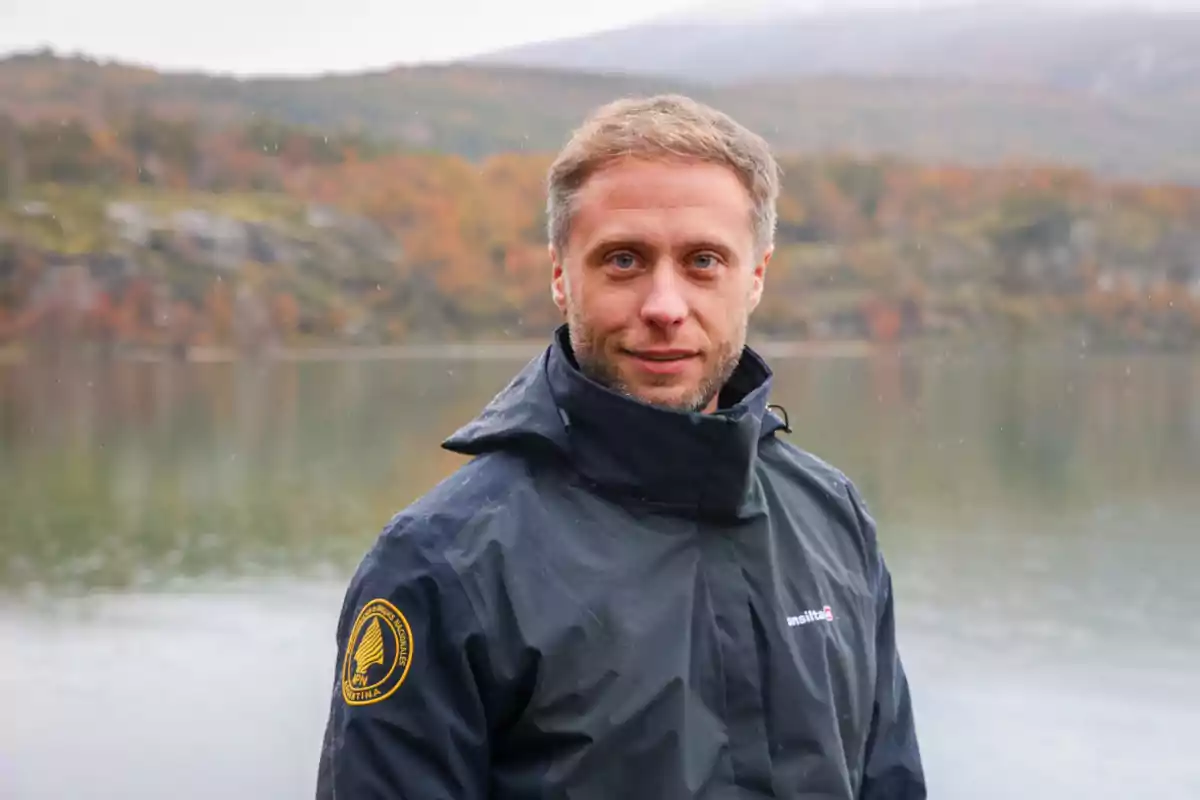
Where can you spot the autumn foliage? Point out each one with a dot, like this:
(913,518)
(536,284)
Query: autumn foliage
(163,232)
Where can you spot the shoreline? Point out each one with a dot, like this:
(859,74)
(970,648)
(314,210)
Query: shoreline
(453,351)
(526,349)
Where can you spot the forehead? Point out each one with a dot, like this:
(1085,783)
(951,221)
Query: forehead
(672,199)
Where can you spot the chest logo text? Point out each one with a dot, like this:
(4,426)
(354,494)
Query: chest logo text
(810,616)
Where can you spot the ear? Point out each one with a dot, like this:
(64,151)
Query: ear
(758,279)
(558,280)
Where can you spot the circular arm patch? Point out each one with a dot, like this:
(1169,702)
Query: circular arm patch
(378,654)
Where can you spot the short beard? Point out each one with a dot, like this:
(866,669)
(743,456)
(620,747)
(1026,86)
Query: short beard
(592,363)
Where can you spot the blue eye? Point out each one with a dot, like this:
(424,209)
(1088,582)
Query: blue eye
(623,260)
(705,261)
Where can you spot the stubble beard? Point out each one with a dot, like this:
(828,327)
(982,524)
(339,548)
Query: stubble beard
(589,354)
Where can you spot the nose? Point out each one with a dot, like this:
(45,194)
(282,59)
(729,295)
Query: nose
(665,305)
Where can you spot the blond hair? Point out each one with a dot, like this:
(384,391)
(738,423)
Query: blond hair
(667,126)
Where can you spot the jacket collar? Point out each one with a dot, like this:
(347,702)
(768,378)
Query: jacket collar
(693,463)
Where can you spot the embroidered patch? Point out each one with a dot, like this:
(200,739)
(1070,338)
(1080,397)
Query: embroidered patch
(378,654)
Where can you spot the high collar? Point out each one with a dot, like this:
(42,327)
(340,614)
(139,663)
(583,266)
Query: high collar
(693,463)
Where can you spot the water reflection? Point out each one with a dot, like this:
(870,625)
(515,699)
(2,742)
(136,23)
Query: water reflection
(1039,513)
(123,474)
(132,474)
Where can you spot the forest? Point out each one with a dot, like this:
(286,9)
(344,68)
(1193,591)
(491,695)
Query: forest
(140,230)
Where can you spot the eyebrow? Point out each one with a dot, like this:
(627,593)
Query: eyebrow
(629,242)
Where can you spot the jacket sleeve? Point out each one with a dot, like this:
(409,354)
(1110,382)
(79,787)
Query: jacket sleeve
(892,768)
(407,716)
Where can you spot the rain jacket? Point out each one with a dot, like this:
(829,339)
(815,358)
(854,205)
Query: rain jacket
(611,601)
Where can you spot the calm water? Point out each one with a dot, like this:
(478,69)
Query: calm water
(174,541)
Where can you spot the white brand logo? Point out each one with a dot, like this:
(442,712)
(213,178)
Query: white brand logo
(824,615)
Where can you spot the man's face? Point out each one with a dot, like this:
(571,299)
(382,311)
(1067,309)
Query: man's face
(658,280)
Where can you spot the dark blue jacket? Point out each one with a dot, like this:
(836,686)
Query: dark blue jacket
(614,602)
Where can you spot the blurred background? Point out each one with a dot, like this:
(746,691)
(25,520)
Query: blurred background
(258,259)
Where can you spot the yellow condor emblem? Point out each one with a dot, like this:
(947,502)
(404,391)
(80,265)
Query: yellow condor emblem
(378,654)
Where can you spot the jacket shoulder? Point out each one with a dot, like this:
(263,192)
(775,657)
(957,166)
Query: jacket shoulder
(829,486)
(431,527)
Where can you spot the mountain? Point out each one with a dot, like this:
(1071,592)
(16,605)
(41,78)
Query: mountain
(477,110)
(1100,51)
(464,109)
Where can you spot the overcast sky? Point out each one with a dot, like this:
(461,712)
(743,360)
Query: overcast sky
(308,36)
(270,36)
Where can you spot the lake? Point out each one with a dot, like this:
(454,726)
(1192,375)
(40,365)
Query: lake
(175,540)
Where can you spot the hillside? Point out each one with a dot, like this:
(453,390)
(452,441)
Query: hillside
(476,111)
(158,235)
(1108,52)
(466,110)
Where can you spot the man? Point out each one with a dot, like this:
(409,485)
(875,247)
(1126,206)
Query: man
(635,589)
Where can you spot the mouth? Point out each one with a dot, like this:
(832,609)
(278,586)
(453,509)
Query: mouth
(662,361)
(662,355)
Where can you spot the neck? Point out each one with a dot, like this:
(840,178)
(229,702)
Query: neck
(689,462)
